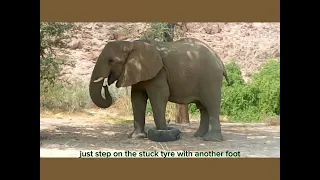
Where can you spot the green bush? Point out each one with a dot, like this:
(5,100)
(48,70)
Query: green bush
(268,82)
(149,108)
(193,109)
(254,100)
(239,102)
(234,74)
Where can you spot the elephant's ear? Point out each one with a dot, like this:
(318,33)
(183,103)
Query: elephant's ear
(143,63)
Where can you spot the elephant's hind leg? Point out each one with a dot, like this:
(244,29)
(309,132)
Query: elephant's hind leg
(212,104)
(139,103)
(204,121)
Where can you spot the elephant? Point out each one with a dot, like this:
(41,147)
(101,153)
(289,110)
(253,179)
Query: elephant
(196,41)
(184,71)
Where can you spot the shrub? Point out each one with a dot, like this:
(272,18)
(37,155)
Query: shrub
(239,102)
(149,108)
(64,97)
(193,109)
(268,83)
(234,74)
(254,100)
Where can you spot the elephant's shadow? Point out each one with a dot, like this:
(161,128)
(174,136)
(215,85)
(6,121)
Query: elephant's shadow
(115,136)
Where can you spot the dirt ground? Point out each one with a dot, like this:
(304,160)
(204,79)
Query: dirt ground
(67,136)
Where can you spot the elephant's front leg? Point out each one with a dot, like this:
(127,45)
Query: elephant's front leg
(139,102)
(158,99)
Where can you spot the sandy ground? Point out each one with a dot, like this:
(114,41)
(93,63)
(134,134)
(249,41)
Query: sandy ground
(66,137)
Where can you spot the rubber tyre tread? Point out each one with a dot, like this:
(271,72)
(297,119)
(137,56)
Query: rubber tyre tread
(172,134)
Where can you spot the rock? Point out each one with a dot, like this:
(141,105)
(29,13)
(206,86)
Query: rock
(111,37)
(249,26)
(207,30)
(216,29)
(87,35)
(276,53)
(117,35)
(75,44)
(135,31)
(202,30)
(213,29)
(218,38)
(121,36)
(99,25)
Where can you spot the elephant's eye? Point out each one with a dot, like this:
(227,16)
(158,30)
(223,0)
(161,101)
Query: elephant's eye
(111,61)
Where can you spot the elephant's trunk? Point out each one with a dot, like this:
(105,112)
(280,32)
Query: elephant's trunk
(95,86)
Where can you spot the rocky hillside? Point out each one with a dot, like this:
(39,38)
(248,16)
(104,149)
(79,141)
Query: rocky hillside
(249,44)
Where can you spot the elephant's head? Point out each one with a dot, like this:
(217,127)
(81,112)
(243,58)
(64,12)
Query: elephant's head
(125,62)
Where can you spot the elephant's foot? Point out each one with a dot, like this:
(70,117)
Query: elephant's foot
(212,136)
(137,134)
(200,133)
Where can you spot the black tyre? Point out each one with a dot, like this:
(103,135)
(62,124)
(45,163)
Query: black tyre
(172,134)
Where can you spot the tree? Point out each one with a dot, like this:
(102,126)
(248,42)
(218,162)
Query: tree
(51,35)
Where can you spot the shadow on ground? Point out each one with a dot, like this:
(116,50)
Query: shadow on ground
(64,135)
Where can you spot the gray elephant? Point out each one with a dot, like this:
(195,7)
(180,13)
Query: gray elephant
(184,71)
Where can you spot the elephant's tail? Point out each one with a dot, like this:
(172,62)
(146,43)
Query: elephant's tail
(229,83)
(225,74)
